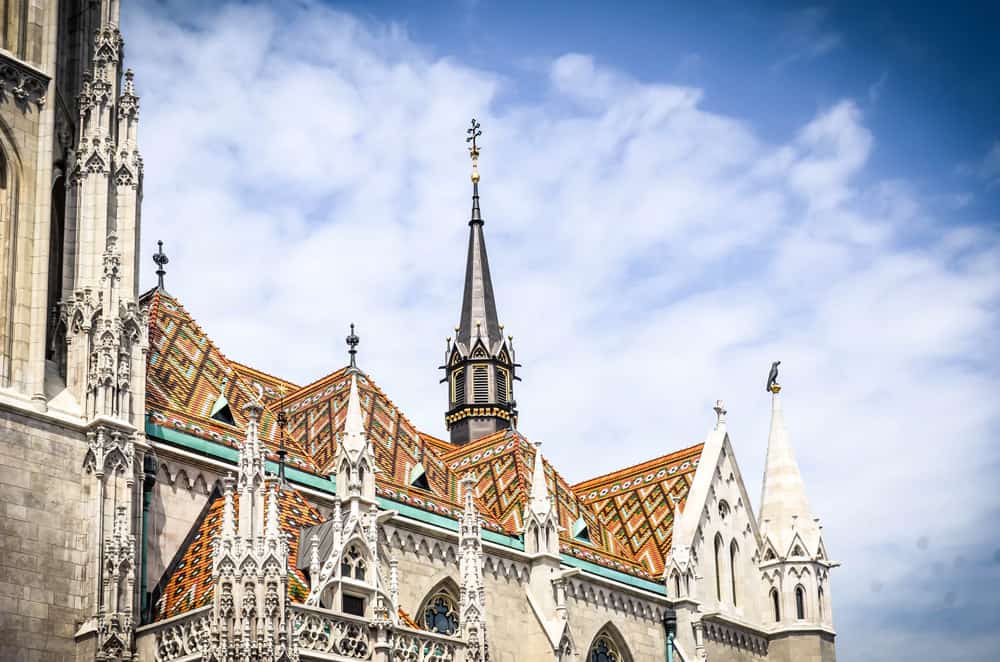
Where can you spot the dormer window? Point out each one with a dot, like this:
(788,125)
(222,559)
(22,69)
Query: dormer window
(418,477)
(581,531)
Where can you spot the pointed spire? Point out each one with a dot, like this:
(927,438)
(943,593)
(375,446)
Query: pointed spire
(784,505)
(540,501)
(479,310)
(354,426)
(228,508)
(272,530)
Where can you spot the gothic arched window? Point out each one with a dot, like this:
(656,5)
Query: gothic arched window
(440,614)
(604,649)
(776,605)
(718,567)
(352,564)
(800,603)
(819,596)
(677,585)
(733,553)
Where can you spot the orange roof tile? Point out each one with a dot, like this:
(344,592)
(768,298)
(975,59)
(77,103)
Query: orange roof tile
(635,505)
(188,584)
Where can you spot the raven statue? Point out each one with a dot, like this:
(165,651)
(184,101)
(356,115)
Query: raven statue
(772,377)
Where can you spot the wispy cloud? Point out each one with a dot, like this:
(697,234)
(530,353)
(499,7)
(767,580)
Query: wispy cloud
(989,168)
(308,169)
(807,36)
(875,89)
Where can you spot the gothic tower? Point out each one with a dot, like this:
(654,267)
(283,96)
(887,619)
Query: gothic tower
(794,564)
(479,363)
(72,336)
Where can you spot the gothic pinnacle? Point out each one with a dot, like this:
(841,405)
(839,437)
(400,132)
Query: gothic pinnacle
(161,259)
(352,344)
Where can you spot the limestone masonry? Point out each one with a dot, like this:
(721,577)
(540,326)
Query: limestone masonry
(163,502)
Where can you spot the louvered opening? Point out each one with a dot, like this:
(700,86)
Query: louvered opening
(458,387)
(481,385)
(501,386)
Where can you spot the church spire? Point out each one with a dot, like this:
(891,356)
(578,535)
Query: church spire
(480,363)
(784,508)
(479,308)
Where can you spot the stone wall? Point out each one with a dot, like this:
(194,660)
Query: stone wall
(179,495)
(802,647)
(46,588)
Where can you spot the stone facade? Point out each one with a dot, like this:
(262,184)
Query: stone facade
(47,578)
(137,525)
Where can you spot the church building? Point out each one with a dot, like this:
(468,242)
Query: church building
(162,501)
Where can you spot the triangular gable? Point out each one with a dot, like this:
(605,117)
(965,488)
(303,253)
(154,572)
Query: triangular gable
(188,582)
(635,503)
(717,449)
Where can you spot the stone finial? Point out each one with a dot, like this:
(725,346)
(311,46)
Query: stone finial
(161,259)
(352,344)
(720,414)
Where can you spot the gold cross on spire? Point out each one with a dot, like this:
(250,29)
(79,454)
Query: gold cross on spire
(474,132)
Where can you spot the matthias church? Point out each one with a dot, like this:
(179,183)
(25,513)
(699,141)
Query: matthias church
(164,501)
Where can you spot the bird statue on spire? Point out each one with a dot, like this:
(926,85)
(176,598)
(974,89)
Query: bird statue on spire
(772,378)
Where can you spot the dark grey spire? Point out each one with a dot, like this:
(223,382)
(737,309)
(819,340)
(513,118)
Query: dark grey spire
(479,308)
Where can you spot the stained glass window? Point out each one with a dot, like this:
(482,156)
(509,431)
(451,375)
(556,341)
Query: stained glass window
(604,650)
(441,614)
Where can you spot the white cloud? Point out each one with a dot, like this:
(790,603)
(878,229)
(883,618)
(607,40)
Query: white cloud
(308,169)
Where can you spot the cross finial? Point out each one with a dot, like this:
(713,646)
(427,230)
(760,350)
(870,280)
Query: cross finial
(160,258)
(720,413)
(474,132)
(352,343)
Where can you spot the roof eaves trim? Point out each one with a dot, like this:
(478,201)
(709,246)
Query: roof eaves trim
(614,575)
(328,485)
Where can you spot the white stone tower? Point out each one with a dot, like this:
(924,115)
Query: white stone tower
(794,564)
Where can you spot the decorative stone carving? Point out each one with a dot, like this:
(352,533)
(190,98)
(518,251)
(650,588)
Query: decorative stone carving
(24,83)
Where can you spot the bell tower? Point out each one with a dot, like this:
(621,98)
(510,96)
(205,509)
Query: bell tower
(479,363)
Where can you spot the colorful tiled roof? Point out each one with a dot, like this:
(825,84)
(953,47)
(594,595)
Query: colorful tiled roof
(188,582)
(185,375)
(628,514)
(503,463)
(635,505)
(316,416)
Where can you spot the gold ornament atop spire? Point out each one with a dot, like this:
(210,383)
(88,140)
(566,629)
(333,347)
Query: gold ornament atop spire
(474,132)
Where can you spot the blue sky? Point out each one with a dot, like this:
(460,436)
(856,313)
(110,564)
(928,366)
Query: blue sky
(674,198)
